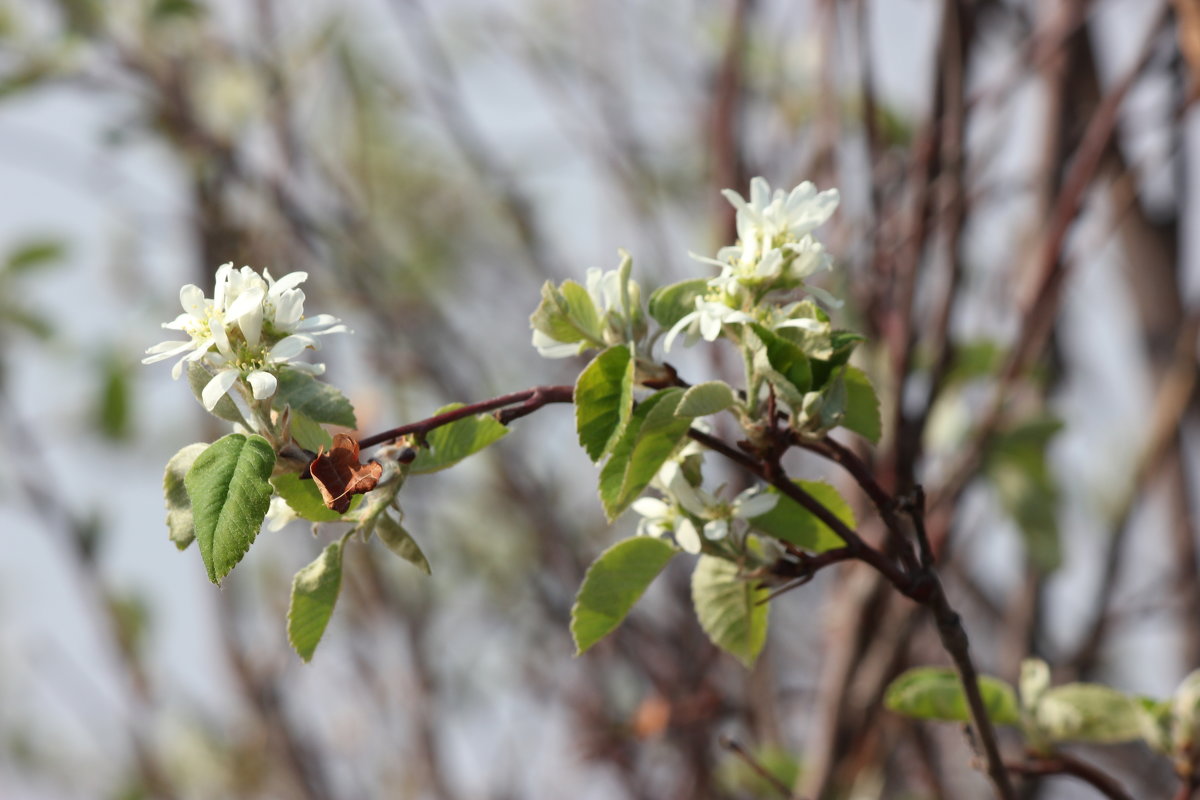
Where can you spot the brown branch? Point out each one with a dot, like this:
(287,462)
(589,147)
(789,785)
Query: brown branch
(921,585)
(526,402)
(1062,764)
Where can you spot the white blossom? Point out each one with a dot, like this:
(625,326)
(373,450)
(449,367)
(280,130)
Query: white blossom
(660,518)
(775,241)
(252,327)
(705,322)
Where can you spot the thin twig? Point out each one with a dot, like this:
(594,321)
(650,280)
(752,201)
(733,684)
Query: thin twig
(1062,764)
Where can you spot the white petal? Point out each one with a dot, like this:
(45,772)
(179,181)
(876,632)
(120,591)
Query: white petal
(548,347)
(191,297)
(686,537)
(319,321)
(263,384)
(215,389)
(251,324)
(684,322)
(824,296)
(289,281)
(760,192)
(651,507)
(164,350)
(710,326)
(222,284)
(244,303)
(288,348)
(716,530)
(220,338)
(749,505)
(289,308)
(804,323)
(306,368)
(696,501)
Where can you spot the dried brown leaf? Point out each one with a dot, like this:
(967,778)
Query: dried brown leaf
(340,476)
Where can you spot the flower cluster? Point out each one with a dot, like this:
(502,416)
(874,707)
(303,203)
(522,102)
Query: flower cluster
(572,319)
(251,328)
(683,505)
(775,250)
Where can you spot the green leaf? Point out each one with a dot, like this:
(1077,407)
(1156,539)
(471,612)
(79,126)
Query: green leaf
(791,522)
(669,304)
(650,437)
(180,526)
(613,583)
(826,367)
(1087,712)
(1020,473)
(936,693)
(314,593)
(1185,713)
(1157,723)
(976,359)
(308,433)
(787,367)
(198,377)
(706,398)
(304,498)
(550,317)
(732,610)
(581,310)
(740,777)
(230,493)
(604,400)
(1033,683)
(400,541)
(112,406)
(862,406)
(452,443)
(318,401)
(34,254)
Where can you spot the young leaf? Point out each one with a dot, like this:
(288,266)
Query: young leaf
(731,609)
(604,400)
(862,406)
(305,499)
(613,583)
(650,437)
(790,370)
(1087,712)
(318,401)
(791,522)
(1185,713)
(552,317)
(706,398)
(230,493)
(308,433)
(1021,475)
(314,593)
(400,541)
(581,309)
(34,254)
(669,304)
(180,526)
(452,443)
(112,413)
(842,344)
(935,693)
(198,377)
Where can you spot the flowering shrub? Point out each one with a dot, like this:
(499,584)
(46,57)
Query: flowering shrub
(644,425)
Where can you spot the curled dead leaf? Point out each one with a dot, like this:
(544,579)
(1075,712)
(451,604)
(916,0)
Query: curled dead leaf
(340,476)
